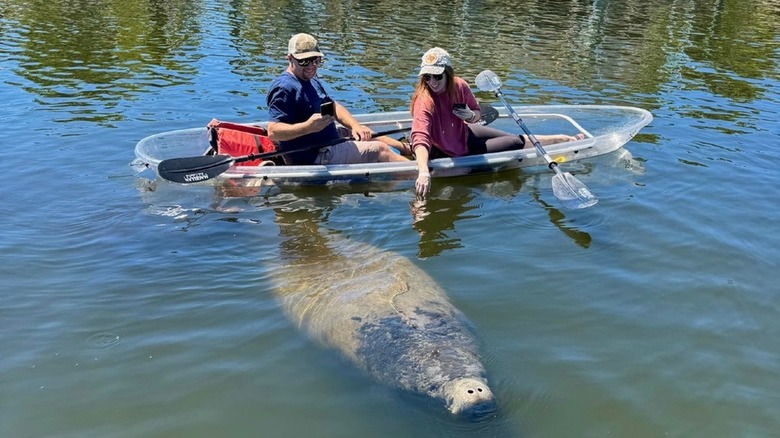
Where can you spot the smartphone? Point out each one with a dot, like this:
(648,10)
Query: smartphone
(326,109)
(458,106)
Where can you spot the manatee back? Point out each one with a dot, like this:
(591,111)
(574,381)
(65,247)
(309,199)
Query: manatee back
(383,313)
(332,294)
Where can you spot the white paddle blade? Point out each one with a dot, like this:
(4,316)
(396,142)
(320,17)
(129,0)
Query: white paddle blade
(568,189)
(488,81)
(571,192)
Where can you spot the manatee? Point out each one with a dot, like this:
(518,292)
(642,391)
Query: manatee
(384,314)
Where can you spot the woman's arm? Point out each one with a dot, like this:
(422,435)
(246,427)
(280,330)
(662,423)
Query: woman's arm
(423,184)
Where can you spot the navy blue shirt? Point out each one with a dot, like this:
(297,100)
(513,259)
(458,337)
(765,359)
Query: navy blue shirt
(291,100)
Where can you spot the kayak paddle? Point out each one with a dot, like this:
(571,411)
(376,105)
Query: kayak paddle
(489,114)
(569,190)
(204,167)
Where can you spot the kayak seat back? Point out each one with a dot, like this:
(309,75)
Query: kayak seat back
(238,140)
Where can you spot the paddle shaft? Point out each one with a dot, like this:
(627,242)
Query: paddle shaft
(204,167)
(306,148)
(550,163)
(568,189)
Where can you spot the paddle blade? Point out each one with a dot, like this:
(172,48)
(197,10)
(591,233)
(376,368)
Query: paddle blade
(488,81)
(194,169)
(571,192)
(489,113)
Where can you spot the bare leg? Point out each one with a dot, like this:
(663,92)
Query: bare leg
(550,139)
(403,148)
(387,154)
(483,139)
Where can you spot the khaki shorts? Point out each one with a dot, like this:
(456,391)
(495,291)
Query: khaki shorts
(350,152)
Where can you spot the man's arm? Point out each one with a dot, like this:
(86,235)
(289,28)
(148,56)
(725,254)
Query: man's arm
(281,103)
(279,131)
(359,132)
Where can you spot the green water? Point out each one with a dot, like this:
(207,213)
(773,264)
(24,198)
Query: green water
(130,307)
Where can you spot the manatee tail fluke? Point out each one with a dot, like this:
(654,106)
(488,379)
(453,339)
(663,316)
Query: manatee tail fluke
(469,397)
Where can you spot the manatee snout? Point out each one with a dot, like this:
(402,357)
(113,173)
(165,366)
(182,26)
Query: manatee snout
(469,397)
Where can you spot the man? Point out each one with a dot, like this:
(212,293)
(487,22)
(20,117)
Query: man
(295,121)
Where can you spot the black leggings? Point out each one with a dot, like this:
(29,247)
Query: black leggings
(484,139)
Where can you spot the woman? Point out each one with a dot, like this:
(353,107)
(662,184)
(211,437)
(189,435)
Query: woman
(444,116)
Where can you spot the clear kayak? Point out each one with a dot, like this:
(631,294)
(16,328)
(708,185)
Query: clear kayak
(605,127)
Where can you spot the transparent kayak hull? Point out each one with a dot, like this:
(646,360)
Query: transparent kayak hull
(606,129)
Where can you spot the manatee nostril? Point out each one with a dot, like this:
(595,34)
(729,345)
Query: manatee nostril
(479,389)
(471,391)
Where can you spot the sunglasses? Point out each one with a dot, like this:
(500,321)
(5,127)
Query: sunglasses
(317,61)
(438,77)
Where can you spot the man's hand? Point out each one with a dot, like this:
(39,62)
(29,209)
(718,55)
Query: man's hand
(318,122)
(362,132)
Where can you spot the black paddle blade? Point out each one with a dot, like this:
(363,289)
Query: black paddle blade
(489,113)
(194,169)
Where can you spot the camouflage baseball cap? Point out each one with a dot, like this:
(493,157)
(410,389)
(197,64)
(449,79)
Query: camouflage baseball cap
(302,46)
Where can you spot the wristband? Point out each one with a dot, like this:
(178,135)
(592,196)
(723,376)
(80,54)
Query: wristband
(428,174)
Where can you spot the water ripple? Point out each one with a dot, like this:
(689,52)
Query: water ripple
(103,340)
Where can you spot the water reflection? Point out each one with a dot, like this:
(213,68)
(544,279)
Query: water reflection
(434,219)
(453,201)
(88,58)
(557,218)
